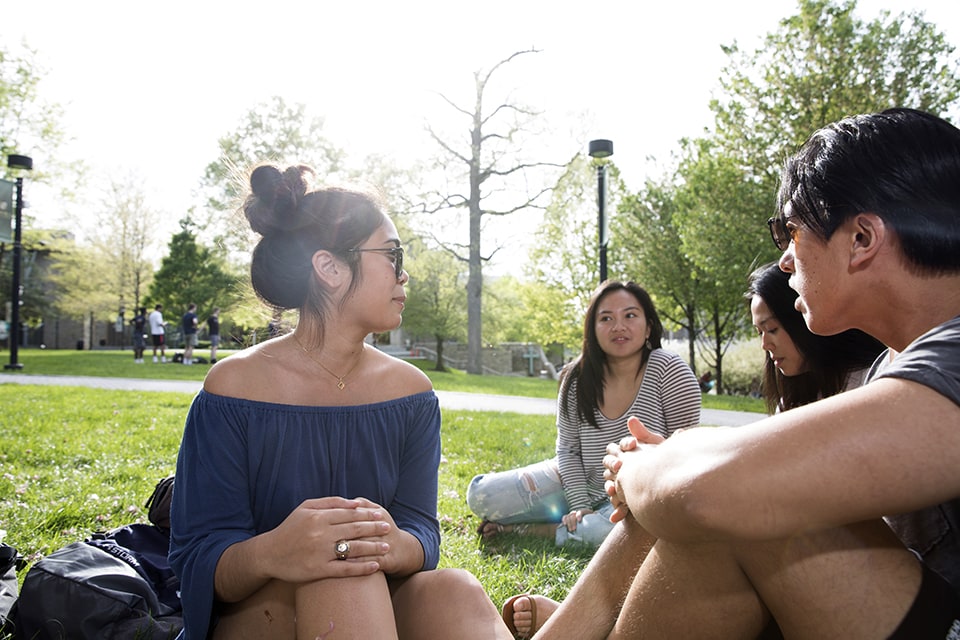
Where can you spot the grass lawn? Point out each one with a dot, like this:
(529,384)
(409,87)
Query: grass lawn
(77,460)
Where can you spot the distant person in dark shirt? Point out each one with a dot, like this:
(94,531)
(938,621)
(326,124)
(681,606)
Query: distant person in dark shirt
(139,323)
(213,330)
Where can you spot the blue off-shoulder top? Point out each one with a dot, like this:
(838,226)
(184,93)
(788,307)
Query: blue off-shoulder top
(245,465)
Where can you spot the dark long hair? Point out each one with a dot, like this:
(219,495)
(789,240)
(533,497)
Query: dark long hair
(589,368)
(830,359)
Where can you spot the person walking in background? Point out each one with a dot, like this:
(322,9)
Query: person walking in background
(139,324)
(800,366)
(306,495)
(621,371)
(213,332)
(188,325)
(157,333)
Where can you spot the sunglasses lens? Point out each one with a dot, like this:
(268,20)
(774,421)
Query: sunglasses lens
(779,233)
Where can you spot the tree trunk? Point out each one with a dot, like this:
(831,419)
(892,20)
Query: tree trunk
(475,277)
(440,366)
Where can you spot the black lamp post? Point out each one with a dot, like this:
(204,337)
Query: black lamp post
(26,163)
(600,149)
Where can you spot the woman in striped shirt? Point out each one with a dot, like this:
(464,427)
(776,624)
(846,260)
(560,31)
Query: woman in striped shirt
(622,371)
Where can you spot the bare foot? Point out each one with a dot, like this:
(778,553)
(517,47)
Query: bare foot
(488,529)
(529,613)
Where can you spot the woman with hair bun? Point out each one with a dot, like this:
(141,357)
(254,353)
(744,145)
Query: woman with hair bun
(306,486)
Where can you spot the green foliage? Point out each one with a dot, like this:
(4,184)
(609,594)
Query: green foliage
(26,118)
(651,250)
(565,254)
(436,304)
(38,253)
(717,218)
(122,240)
(820,65)
(192,273)
(744,368)
(78,284)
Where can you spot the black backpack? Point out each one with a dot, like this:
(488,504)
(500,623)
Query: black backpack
(113,585)
(8,583)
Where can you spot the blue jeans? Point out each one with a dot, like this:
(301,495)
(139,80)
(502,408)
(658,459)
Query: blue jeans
(534,494)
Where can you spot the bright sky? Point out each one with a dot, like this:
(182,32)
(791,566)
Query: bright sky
(150,88)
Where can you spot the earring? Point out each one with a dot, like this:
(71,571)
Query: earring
(648,345)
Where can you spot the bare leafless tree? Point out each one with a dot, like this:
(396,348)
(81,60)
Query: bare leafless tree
(497,179)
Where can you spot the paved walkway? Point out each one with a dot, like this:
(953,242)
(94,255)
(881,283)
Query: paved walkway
(448,399)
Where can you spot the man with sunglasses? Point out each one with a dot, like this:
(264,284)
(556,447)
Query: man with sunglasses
(778,527)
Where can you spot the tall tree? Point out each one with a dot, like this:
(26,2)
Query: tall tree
(28,123)
(820,65)
(489,164)
(193,273)
(651,249)
(716,215)
(123,239)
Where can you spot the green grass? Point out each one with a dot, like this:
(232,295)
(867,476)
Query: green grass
(77,460)
(119,364)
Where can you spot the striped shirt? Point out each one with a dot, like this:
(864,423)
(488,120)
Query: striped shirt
(668,399)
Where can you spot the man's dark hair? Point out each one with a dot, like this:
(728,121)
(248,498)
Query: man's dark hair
(902,165)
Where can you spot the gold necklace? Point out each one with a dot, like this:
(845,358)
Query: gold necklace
(340,383)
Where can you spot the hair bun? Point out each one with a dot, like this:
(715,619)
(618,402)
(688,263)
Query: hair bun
(264,182)
(275,196)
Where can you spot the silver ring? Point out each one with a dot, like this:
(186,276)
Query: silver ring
(342,549)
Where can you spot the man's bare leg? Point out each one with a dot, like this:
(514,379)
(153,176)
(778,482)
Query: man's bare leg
(593,604)
(852,582)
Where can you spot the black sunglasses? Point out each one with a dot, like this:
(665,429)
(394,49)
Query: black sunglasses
(396,254)
(780,233)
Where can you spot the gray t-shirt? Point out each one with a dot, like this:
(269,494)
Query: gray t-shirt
(932,360)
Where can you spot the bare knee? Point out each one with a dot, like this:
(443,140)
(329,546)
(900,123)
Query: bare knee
(269,612)
(442,585)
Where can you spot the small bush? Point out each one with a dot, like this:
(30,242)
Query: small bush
(743,368)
